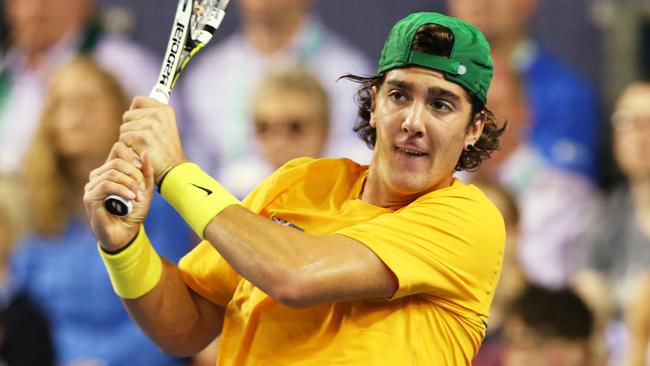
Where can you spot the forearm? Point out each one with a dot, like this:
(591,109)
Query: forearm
(180,321)
(293,267)
(296,268)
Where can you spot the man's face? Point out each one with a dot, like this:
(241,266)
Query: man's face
(497,19)
(421,121)
(631,121)
(37,24)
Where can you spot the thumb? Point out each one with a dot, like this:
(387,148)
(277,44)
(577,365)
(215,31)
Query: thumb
(147,172)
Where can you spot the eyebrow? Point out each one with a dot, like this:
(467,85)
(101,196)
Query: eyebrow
(432,92)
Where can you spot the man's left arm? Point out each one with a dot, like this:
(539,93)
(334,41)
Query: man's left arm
(295,268)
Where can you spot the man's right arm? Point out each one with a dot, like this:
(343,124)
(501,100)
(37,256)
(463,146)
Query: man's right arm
(178,319)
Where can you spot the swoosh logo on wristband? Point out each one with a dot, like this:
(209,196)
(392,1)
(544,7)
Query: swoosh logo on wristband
(209,192)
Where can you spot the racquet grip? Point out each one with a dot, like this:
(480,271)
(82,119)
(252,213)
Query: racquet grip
(158,94)
(117,205)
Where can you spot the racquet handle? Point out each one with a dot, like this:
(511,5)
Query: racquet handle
(117,205)
(159,95)
(113,203)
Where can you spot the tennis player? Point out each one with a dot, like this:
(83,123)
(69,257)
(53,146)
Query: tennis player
(326,262)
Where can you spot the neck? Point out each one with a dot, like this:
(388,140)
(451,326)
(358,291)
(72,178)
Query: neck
(378,193)
(640,190)
(269,37)
(507,45)
(79,170)
(34,60)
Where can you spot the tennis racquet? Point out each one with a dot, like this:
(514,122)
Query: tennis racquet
(194,24)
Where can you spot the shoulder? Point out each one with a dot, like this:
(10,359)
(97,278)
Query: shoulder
(314,176)
(463,207)
(338,47)
(305,166)
(552,70)
(119,47)
(224,52)
(460,193)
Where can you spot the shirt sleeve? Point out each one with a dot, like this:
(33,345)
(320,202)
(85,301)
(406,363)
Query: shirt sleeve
(445,246)
(206,272)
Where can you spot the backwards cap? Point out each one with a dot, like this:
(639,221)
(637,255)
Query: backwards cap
(469,64)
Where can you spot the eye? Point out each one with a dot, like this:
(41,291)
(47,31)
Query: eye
(296,127)
(397,95)
(442,106)
(261,127)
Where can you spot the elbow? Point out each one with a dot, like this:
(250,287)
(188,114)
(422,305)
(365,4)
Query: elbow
(292,290)
(180,349)
(176,351)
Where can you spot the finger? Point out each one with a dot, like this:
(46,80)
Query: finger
(116,176)
(121,166)
(144,102)
(143,124)
(148,172)
(137,114)
(157,113)
(128,168)
(137,140)
(141,107)
(105,188)
(121,150)
(127,154)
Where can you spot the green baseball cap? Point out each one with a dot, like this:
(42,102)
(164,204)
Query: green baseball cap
(469,64)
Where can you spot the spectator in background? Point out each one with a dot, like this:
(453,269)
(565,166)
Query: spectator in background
(617,252)
(222,81)
(57,265)
(562,105)
(548,327)
(554,203)
(24,332)
(291,117)
(637,318)
(42,36)
(512,280)
(555,171)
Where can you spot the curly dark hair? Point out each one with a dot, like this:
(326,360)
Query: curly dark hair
(437,40)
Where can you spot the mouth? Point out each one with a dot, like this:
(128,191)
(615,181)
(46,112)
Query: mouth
(410,151)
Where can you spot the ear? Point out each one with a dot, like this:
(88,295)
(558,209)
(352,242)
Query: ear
(373,96)
(476,129)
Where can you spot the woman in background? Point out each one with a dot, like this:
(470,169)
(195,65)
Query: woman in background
(57,266)
(24,333)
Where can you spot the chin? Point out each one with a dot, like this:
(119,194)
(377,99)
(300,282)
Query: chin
(412,186)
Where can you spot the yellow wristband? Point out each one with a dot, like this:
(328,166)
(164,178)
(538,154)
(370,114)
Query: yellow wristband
(195,195)
(136,270)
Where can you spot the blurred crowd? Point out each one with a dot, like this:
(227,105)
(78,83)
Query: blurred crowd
(575,285)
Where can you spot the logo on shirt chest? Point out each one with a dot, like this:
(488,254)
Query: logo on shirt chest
(284,222)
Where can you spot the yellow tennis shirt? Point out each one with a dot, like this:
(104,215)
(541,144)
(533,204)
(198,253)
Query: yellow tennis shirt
(445,248)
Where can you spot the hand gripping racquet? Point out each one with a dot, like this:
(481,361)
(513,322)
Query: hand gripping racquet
(194,24)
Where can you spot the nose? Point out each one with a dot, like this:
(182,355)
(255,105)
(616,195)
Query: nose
(69,118)
(413,124)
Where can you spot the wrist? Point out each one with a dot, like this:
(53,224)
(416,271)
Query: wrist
(158,179)
(195,195)
(113,251)
(136,269)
